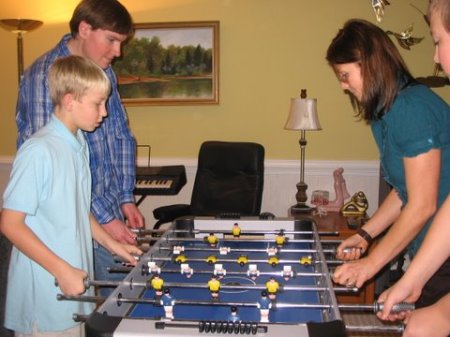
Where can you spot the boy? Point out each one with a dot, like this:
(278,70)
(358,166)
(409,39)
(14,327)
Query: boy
(434,320)
(46,207)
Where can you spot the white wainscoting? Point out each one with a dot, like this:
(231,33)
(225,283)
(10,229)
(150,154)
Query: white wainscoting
(281,177)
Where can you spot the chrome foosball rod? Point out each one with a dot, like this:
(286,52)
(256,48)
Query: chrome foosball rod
(375,307)
(145,232)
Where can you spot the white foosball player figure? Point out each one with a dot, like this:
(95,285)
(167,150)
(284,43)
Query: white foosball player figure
(219,271)
(253,271)
(167,301)
(264,306)
(186,270)
(287,272)
(178,249)
(153,268)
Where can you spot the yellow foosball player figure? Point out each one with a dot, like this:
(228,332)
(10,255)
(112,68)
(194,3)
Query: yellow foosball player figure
(157,284)
(214,286)
(236,230)
(280,239)
(272,288)
(212,239)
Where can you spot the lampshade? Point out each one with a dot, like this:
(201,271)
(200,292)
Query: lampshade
(20,25)
(303,115)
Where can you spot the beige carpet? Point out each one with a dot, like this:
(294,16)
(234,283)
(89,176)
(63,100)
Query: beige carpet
(368,320)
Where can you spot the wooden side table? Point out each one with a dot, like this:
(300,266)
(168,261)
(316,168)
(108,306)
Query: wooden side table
(336,222)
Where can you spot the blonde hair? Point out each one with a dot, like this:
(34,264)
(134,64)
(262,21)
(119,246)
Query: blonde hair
(442,9)
(75,75)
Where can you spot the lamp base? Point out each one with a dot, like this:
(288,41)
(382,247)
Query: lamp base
(301,208)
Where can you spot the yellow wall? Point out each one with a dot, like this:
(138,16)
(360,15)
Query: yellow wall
(269,50)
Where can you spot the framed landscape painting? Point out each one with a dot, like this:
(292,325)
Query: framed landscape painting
(171,63)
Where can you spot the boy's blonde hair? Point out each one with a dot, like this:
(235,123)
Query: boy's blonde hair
(75,75)
(442,9)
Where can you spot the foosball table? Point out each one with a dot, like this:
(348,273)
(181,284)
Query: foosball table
(226,276)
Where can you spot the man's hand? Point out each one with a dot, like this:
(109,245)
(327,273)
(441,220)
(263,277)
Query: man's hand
(132,215)
(119,231)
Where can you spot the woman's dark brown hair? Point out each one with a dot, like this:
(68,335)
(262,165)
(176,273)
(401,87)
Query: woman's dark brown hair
(383,70)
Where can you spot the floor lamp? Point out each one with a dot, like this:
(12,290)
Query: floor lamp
(20,27)
(302,117)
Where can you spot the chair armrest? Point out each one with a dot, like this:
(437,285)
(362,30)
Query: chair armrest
(169,213)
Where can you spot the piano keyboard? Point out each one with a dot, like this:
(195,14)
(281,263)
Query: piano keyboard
(159,180)
(154,183)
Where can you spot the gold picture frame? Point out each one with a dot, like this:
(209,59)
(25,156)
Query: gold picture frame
(170,63)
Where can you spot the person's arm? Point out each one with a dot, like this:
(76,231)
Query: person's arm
(431,321)
(69,279)
(123,145)
(434,251)
(383,217)
(422,180)
(125,251)
(34,106)
(114,133)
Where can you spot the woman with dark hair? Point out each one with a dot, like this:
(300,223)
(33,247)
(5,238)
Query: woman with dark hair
(411,126)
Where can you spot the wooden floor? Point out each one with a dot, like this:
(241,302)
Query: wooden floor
(368,320)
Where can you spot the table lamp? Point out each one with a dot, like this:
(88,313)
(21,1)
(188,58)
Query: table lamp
(20,27)
(302,116)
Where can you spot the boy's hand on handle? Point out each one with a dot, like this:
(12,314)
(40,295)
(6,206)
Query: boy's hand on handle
(127,252)
(71,281)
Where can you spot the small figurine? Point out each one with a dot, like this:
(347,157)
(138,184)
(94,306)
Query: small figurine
(357,205)
(153,268)
(211,259)
(236,230)
(214,287)
(212,240)
(224,250)
(253,271)
(186,270)
(272,288)
(242,260)
(306,260)
(287,273)
(340,190)
(273,261)
(181,259)
(234,317)
(157,284)
(178,249)
(280,239)
(271,251)
(219,271)
(167,301)
(264,305)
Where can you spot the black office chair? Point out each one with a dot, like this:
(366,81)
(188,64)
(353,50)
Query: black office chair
(229,182)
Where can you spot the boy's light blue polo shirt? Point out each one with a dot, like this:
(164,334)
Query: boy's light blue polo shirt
(51,183)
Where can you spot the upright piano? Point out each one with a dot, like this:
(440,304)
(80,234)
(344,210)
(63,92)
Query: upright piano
(159,180)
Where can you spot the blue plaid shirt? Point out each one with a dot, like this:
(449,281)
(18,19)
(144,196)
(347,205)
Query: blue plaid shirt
(112,145)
